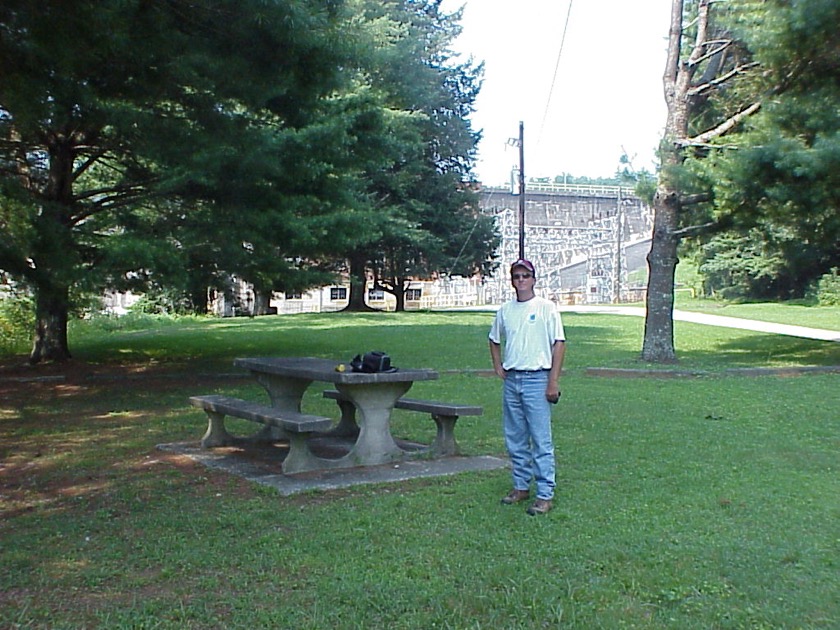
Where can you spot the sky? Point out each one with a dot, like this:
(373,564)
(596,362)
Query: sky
(606,97)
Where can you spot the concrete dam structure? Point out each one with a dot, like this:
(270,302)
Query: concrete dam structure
(586,241)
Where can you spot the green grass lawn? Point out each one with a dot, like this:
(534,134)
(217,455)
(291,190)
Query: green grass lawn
(705,502)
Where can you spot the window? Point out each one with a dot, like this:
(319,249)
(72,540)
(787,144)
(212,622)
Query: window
(294,295)
(338,293)
(413,295)
(376,295)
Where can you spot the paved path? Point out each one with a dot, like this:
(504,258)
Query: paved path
(716,320)
(821,334)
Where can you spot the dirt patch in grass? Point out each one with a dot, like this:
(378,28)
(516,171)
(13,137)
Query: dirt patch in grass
(63,444)
(14,371)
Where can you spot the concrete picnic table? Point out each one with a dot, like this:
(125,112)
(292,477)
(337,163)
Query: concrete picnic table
(374,395)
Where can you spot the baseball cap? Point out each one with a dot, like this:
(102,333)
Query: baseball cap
(524,263)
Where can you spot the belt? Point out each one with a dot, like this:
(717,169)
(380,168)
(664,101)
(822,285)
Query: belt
(531,371)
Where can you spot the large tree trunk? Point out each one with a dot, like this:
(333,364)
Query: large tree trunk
(396,286)
(358,284)
(197,293)
(658,345)
(50,342)
(399,294)
(53,256)
(683,96)
(262,303)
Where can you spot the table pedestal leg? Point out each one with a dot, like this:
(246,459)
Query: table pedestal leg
(374,404)
(300,458)
(347,425)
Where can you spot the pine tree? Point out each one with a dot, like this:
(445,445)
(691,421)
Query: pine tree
(139,134)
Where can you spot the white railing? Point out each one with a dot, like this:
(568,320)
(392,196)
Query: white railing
(590,190)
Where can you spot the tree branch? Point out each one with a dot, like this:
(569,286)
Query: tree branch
(722,79)
(109,200)
(690,200)
(672,64)
(90,161)
(723,45)
(721,129)
(702,30)
(694,230)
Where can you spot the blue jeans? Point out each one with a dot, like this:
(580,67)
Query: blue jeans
(527,430)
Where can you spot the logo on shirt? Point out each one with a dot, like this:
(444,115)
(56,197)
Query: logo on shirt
(532,318)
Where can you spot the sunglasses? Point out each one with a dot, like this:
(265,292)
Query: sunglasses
(520,276)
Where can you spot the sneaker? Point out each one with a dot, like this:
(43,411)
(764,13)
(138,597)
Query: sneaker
(515,496)
(540,506)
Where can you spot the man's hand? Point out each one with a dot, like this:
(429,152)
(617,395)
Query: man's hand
(496,357)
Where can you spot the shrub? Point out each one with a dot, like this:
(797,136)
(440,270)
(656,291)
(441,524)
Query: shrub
(828,289)
(17,319)
(156,301)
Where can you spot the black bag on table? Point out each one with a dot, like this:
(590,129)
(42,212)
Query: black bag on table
(372,362)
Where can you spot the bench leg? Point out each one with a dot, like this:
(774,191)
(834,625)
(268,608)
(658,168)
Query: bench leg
(216,434)
(300,457)
(445,443)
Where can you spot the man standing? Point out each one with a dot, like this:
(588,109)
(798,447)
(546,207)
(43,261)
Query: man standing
(534,348)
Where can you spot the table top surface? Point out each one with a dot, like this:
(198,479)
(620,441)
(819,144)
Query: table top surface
(325,370)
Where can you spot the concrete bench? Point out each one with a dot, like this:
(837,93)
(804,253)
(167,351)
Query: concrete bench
(298,427)
(444,414)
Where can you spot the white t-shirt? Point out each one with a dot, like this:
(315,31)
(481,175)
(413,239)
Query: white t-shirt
(529,330)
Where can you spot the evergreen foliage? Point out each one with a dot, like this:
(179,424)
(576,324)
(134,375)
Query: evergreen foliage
(750,155)
(134,134)
(168,146)
(776,179)
(423,218)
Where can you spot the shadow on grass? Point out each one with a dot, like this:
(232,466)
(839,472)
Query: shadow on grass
(442,341)
(705,504)
(617,342)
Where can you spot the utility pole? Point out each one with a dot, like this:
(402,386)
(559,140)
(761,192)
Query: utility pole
(619,232)
(521,190)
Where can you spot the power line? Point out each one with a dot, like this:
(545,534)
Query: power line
(556,67)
